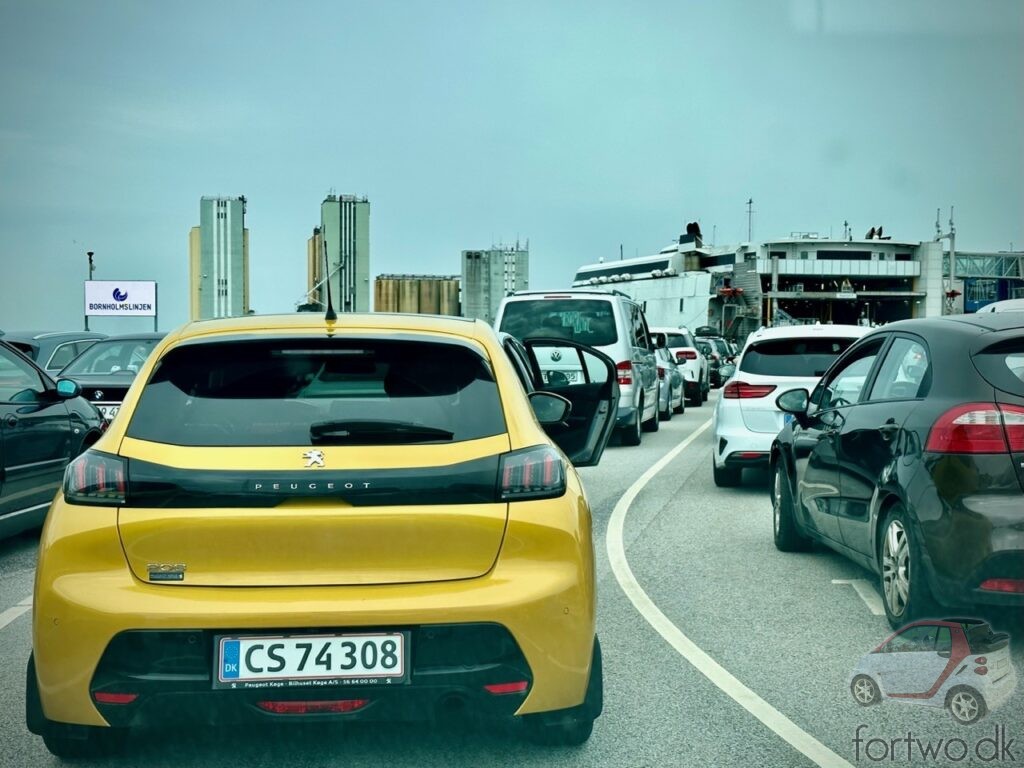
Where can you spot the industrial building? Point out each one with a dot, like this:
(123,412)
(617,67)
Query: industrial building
(488,276)
(344,233)
(417,294)
(219,260)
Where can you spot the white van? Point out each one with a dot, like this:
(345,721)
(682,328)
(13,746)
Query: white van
(608,321)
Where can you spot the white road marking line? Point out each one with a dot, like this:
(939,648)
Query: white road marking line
(13,613)
(795,736)
(867,594)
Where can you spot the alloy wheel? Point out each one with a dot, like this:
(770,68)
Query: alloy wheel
(864,690)
(777,501)
(896,568)
(964,706)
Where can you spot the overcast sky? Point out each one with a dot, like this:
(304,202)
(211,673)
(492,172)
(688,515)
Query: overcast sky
(578,125)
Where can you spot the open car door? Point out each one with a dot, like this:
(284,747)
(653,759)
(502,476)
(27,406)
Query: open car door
(584,377)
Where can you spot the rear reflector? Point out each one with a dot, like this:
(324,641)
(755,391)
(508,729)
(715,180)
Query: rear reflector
(686,354)
(96,478)
(499,688)
(1003,585)
(532,473)
(105,697)
(311,707)
(624,372)
(740,390)
(750,455)
(978,428)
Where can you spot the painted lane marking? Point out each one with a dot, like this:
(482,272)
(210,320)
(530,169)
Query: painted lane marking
(867,594)
(13,613)
(789,731)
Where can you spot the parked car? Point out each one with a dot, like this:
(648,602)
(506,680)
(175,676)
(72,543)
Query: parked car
(51,351)
(107,369)
(670,393)
(746,418)
(692,364)
(42,427)
(907,459)
(714,362)
(722,357)
(1006,305)
(294,518)
(608,321)
(960,665)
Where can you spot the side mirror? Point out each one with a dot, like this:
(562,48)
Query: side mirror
(795,401)
(66,388)
(550,408)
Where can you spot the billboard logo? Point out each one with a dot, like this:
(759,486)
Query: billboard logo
(120,295)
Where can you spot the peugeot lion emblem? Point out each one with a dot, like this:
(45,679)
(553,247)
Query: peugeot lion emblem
(314,458)
(98,394)
(556,355)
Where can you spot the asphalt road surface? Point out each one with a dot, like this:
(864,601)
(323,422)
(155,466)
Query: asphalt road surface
(718,651)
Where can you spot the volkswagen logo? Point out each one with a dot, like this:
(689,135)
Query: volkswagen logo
(556,355)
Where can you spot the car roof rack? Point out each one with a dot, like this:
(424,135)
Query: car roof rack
(594,291)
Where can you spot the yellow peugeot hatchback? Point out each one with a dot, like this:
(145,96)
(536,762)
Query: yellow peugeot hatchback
(293,517)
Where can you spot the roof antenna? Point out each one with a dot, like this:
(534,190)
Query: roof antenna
(331,315)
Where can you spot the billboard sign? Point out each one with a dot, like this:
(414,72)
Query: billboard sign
(128,298)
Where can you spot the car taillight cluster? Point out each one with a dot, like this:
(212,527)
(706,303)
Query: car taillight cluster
(97,479)
(978,428)
(624,372)
(661,373)
(686,354)
(532,473)
(740,390)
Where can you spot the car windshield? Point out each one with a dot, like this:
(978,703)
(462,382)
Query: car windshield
(293,392)
(587,321)
(792,357)
(114,356)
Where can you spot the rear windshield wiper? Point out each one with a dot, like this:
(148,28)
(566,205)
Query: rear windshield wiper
(374,432)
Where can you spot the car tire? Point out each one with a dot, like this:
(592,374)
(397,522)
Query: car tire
(726,477)
(666,415)
(965,705)
(697,401)
(865,691)
(905,592)
(785,528)
(571,727)
(653,424)
(66,741)
(681,408)
(630,434)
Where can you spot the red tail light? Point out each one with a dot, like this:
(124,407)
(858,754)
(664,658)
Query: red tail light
(499,688)
(1003,585)
(978,428)
(686,354)
(532,473)
(981,660)
(740,390)
(661,373)
(981,670)
(96,478)
(311,707)
(105,697)
(624,372)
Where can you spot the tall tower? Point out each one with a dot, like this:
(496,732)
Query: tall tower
(345,229)
(315,294)
(489,276)
(219,260)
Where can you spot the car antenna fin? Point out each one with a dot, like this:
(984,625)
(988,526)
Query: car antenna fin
(330,316)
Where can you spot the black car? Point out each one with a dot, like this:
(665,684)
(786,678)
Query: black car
(108,368)
(51,351)
(42,427)
(908,458)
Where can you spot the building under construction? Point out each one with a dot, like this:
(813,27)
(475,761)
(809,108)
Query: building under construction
(417,294)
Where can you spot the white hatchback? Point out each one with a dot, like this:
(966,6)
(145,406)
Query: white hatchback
(746,418)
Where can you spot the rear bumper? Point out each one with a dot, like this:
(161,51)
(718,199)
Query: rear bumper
(540,591)
(733,439)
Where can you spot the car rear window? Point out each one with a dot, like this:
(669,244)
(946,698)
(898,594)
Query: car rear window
(323,391)
(105,358)
(1002,365)
(587,321)
(792,357)
(677,340)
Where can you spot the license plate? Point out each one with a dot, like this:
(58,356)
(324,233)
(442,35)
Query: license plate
(311,660)
(109,411)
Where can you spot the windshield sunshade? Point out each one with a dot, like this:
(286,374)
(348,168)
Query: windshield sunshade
(325,391)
